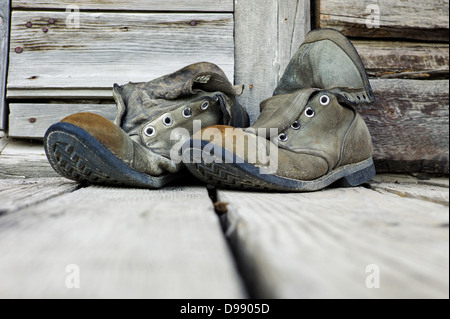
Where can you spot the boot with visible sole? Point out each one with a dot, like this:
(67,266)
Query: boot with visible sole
(141,148)
(322,141)
(327,60)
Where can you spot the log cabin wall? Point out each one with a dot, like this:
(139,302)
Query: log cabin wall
(64,61)
(404,45)
(64,58)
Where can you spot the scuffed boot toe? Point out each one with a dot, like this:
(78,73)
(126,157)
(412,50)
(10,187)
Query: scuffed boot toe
(90,149)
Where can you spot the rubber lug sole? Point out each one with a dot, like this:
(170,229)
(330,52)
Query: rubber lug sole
(75,154)
(228,171)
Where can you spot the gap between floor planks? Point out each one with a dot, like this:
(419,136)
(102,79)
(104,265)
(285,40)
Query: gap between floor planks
(127,243)
(392,201)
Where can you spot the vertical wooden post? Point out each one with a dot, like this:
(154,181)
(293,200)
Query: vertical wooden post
(267,35)
(4,49)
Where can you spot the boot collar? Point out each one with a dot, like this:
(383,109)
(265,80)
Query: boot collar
(167,92)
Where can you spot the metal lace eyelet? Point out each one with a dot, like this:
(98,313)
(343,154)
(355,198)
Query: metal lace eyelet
(168,120)
(187,112)
(149,131)
(310,112)
(324,100)
(296,125)
(283,137)
(205,106)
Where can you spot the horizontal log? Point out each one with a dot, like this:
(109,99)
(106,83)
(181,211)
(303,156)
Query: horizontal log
(402,19)
(33,120)
(409,124)
(407,60)
(129,5)
(108,48)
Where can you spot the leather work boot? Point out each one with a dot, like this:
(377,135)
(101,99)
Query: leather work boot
(327,60)
(154,119)
(319,141)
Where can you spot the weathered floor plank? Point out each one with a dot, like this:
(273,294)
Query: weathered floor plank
(18,194)
(3,143)
(21,159)
(432,189)
(320,245)
(409,179)
(126,243)
(439,195)
(409,124)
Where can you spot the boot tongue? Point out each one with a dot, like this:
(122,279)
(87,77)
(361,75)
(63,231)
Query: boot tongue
(138,102)
(200,76)
(281,111)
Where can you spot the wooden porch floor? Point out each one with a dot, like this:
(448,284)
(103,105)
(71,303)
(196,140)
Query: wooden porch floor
(388,239)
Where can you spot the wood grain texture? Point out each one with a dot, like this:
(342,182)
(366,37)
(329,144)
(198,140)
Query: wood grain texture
(127,243)
(130,5)
(402,19)
(434,194)
(19,194)
(319,245)
(33,120)
(110,48)
(405,60)
(4,49)
(3,143)
(21,159)
(409,179)
(267,35)
(409,124)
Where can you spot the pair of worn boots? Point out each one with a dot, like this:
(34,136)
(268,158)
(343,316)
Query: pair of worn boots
(309,134)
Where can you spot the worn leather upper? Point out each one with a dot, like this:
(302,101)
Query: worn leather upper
(315,135)
(154,118)
(328,60)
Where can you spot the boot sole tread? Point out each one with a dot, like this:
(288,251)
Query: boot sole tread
(228,171)
(75,154)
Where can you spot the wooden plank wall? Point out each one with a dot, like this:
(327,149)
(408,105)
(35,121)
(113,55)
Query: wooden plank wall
(65,59)
(130,5)
(4,46)
(110,48)
(407,58)
(267,35)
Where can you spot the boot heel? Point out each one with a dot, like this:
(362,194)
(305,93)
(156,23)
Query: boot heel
(358,178)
